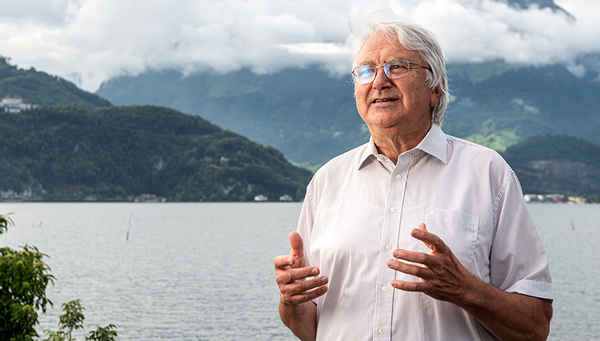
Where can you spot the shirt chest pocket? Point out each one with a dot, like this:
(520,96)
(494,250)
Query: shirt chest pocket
(457,229)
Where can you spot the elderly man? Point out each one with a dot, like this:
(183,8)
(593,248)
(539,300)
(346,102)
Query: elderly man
(415,235)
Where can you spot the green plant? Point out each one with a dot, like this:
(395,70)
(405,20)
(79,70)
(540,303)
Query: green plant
(56,336)
(23,284)
(103,334)
(5,221)
(24,278)
(72,318)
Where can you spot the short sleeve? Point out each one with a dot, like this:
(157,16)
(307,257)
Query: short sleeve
(518,261)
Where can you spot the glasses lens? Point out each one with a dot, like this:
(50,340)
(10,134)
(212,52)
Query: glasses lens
(364,74)
(397,70)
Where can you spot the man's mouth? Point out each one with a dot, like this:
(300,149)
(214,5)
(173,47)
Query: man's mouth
(380,100)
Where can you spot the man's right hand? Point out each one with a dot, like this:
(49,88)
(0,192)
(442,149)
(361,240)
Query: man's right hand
(291,274)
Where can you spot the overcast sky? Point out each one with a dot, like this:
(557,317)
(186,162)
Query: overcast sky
(90,41)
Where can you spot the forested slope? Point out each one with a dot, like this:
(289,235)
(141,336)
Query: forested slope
(74,153)
(548,163)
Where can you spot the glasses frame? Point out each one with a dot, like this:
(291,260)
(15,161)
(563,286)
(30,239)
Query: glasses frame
(386,70)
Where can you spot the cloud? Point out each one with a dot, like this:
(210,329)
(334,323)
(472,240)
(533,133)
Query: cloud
(90,41)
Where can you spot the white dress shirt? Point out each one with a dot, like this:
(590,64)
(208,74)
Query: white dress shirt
(360,207)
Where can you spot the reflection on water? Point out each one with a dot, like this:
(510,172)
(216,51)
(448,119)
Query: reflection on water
(199,271)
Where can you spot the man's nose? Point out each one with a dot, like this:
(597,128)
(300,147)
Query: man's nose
(381,80)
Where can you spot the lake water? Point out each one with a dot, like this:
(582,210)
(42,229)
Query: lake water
(204,271)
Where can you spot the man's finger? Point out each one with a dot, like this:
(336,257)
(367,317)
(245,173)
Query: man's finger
(412,256)
(291,275)
(303,296)
(296,242)
(432,241)
(410,269)
(283,262)
(297,253)
(420,286)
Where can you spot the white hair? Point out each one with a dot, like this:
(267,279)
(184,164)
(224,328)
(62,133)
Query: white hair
(412,37)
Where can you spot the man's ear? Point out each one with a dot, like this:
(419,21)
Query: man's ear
(436,94)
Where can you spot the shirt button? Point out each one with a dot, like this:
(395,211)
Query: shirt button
(398,177)
(393,210)
(379,158)
(388,247)
(381,330)
(384,288)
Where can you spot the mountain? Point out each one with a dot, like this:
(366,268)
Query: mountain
(311,116)
(547,163)
(305,113)
(524,4)
(36,87)
(77,146)
(71,153)
(498,104)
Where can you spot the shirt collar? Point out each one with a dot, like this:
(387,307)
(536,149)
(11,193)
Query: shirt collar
(433,144)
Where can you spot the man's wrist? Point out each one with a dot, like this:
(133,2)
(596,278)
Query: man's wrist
(473,293)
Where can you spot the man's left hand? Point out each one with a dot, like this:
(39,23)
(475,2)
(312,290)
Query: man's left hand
(441,274)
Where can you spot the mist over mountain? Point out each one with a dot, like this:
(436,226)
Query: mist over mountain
(92,41)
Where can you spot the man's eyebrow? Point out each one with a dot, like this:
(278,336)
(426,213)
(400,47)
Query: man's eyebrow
(396,60)
(392,60)
(366,62)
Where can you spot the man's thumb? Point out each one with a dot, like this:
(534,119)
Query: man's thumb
(297,244)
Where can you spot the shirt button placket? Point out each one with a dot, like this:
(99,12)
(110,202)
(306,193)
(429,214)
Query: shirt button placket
(392,219)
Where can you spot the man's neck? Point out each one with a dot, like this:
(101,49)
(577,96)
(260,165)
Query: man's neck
(392,144)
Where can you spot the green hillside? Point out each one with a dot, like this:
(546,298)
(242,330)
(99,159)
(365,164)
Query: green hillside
(36,87)
(547,163)
(115,153)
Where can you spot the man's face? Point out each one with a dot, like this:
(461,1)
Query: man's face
(396,106)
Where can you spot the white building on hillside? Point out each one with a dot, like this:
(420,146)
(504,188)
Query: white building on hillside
(15,105)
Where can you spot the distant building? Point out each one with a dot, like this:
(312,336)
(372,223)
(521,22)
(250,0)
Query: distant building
(553,198)
(261,197)
(149,198)
(286,197)
(15,105)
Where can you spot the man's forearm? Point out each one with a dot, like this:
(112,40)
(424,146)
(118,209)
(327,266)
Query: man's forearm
(508,316)
(301,319)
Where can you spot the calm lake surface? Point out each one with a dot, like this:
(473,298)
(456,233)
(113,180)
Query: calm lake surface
(204,271)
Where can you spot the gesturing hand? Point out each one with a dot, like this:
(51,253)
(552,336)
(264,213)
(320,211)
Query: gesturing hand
(291,274)
(441,275)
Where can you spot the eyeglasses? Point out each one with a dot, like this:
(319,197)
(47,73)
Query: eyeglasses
(365,74)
